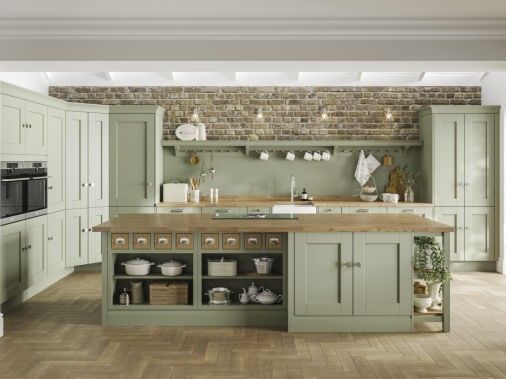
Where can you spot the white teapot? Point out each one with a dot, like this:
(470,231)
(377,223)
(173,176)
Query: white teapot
(267,297)
(253,291)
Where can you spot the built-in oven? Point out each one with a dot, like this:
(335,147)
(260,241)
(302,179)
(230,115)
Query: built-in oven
(23,190)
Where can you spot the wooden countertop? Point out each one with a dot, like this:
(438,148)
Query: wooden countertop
(144,223)
(324,201)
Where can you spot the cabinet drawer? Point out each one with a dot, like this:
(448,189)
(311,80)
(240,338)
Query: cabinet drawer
(231,241)
(175,210)
(214,210)
(329,210)
(210,241)
(163,241)
(142,241)
(253,241)
(274,241)
(364,210)
(257,210)
(119,241)
(184,241)
(425,212)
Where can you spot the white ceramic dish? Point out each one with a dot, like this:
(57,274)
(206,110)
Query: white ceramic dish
(172,268)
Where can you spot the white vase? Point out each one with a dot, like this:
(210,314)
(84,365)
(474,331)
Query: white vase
(434,288)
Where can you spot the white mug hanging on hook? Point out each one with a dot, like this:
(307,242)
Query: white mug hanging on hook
(326,155)
(317,156)
(308,156)
(264,155)
(290,156)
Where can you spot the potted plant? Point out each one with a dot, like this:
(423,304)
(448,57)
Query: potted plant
(431,266)
(407,179)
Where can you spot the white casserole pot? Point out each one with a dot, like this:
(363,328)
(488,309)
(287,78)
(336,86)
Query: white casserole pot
(137,266)
(172,268)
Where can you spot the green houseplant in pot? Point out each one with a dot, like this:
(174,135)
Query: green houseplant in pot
(431,266)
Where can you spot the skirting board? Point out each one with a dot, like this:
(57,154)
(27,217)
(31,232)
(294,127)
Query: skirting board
(94,267)
(350,324)
(474,266)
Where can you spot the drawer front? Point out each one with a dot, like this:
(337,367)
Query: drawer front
(253,241)
(425,212)
(257,210)
(120,241)
(163,241)
(210,241)
(231,241)
(329,210)
(364,210)
(142,241)
(274,241)
(181,210)
(184,241)
(214,210)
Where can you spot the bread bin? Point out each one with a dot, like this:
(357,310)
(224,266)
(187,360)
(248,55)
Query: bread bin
(137,266)
(221,267)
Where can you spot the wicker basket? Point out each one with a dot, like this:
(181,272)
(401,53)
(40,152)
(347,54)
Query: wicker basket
(168,293)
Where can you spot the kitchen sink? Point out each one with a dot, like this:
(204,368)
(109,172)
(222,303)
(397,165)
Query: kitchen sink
(294,209)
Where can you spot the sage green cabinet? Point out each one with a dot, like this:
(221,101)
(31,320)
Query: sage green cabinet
(479,234)
(323,282)
(136,155)
(24,127)
(382,279)
(453,216)
(55,243)
(56,160)
(12,260)
(36,250)
(82,245)
(77,160)
(87,160)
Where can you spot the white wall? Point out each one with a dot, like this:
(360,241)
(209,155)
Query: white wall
(494,93)
(34,81)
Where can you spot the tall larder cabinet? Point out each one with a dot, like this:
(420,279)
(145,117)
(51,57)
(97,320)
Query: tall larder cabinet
(460,172)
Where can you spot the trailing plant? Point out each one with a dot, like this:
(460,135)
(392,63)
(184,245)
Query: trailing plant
(407,178)
(436,268)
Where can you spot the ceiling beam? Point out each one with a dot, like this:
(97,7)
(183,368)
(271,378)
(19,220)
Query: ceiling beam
(483,75)
(421,75)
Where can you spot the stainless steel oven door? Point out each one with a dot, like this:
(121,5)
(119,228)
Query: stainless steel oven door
(13,199)
(36,196)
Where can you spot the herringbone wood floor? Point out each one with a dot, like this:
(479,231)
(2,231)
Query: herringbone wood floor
(57,334)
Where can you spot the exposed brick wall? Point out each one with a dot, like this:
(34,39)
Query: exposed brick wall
(289,112)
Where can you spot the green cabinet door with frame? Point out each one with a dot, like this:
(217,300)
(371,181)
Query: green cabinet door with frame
(448,166)
(382,279)
(55,243)
(12,260)
(96,216)
(76,244)
(480,234)
(98,160)
(132,152)
(479,160)
(13,124)
(36,250)
(36,129)
(323,275)
(76,160)
(56,160)
(453,216)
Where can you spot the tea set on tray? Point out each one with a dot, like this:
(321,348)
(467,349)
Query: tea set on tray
(259,295)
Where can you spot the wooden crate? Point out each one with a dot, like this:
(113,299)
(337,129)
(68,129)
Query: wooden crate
(169,293)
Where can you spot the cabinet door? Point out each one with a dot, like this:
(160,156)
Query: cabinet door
(422,211)
(13,125)
(323,284)
(371,210)
(36,130)
(36,250)
(132,160)
(449,160)
(55,242)
(77,160)
(453,216)
(76,244)
(479,160)
(480,234)
(56,160)
(382,274)
(96,216)
(98,160)
(12,260)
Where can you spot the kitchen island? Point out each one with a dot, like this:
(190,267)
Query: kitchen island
(334,273)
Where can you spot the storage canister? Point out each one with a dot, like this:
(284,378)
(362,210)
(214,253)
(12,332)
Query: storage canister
(221,267)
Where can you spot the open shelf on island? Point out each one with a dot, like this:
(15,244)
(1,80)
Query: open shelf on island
(252,277)
(186,276)
(239,306)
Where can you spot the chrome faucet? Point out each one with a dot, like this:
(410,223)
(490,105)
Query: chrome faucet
(292,188)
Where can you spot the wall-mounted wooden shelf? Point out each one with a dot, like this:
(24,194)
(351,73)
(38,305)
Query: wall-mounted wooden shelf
(333,146)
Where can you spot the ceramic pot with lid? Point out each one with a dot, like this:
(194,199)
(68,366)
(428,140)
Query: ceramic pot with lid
(137,266)
(219,296)
(267,297)
(172,268)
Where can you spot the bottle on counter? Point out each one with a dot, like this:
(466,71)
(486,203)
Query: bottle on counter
(211,195)
(216,195)
(304,195)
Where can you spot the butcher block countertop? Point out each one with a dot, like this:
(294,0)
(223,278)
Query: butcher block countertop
(191,223)
(319,201)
